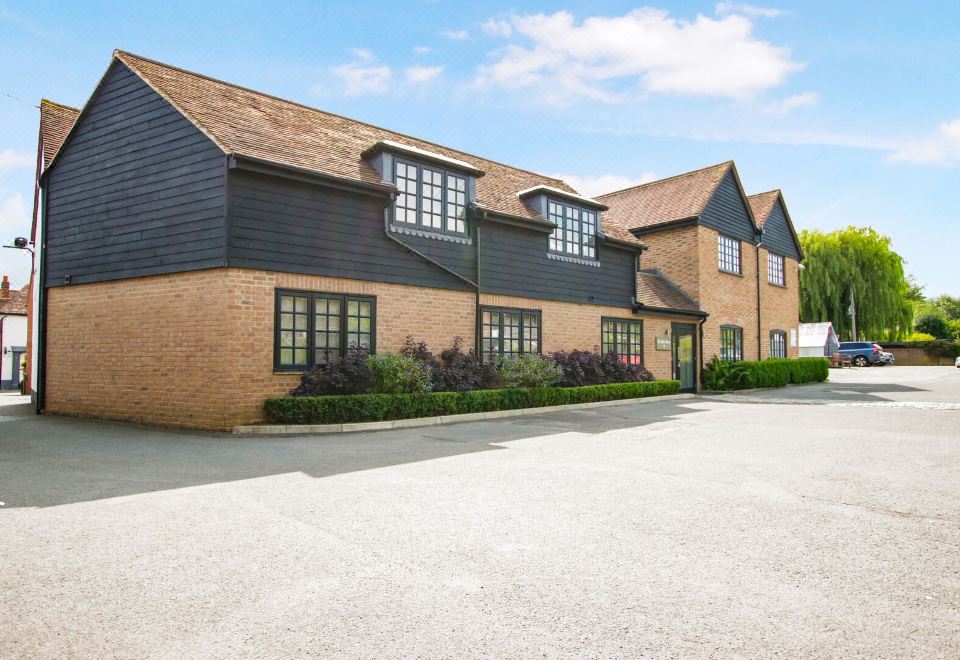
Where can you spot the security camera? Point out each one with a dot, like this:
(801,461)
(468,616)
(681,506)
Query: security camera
(20,242)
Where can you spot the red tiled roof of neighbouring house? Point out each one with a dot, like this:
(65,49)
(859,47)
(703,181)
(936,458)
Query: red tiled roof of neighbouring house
(56,120)
(761,204)
(17,302)
(658,202)
(655,290)
(249,123)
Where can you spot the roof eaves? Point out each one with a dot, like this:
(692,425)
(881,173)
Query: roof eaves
(573,197)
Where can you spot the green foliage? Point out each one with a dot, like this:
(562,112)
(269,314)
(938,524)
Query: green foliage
(378,407)
(399,374)
(528,371)
(919,337)
(942,348)
(776,372)
(933,323)
(948,306)
(955,329)
(860,260)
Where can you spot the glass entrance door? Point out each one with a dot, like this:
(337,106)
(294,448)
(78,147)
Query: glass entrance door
(685,356)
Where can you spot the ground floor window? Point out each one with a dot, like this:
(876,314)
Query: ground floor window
(623,337)
(314,329)
(508,332)
(731,343)
(778,344)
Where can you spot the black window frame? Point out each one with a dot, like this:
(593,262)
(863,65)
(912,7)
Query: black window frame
(446,203)
(343,331)
(724,257)
(563,236)
(774,336)
(774,270)
(524,342)
(613,346)
(737,347)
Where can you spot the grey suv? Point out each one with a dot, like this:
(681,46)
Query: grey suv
(861,353)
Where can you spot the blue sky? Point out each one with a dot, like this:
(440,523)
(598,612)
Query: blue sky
(851,108)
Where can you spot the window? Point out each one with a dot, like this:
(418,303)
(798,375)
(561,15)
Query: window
(778,344)
(731,343)
(775,269)
(508,332)
(729,251)
(623,337)
(314,329)
(430,198)
(575,233)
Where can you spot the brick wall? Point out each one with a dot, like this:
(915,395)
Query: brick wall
(729,299)
(675,253)
(196,349)
(779,306)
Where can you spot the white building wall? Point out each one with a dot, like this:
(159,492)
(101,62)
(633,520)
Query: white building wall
(14,334)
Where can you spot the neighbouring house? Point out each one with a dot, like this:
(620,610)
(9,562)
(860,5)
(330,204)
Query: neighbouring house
(735,256)
(13,334)
(204,244)
(818,340)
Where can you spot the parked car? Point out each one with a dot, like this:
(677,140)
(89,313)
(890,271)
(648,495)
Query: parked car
(862,353)
(957,363)
(887,357)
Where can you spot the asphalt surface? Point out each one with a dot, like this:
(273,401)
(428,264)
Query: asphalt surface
(820,521)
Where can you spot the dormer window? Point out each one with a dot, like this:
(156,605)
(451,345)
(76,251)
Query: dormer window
(430,198)
(575,233)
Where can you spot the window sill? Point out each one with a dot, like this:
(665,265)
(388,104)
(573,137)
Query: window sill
(779,286)
(439,236)
(574,260)
(730,272)
(286,372)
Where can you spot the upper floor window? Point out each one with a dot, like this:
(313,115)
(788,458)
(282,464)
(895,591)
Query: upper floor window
(508,332)
(624,338)
(728,250)
(731,343)
(775,274)
(430,198)
(575,233)
(314,329)
(778,344)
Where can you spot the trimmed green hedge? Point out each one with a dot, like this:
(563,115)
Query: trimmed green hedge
(378,407)
(767,373)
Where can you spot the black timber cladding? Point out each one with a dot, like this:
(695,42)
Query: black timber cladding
(136,190)
(514,262)
(777,236)
(727,211)
(285,225)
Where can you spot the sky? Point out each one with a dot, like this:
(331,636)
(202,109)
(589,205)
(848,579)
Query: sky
(852,109)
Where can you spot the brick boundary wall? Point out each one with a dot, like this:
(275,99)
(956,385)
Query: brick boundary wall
(195,349)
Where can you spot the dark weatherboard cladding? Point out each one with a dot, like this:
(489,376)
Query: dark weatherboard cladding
(135,190)
(777,236)
(727,211)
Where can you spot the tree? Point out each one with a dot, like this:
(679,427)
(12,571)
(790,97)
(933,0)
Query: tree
(948,306)
(934,323)
(852,275)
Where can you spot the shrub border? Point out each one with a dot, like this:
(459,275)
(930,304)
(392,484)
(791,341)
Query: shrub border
(361,408)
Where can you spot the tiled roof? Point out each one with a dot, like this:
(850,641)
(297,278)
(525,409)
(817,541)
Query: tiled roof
(249,123)
(676,198)
(655,290)
(17,302)
(56,120)
(761,204)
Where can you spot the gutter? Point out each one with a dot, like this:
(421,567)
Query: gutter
(412,250)
(262,165)
(664,226)
(640,307)
(759,331)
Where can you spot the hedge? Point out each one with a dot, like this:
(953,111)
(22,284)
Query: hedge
(339,409)
(767,373)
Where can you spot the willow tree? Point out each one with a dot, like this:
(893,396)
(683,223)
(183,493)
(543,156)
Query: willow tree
(851,276)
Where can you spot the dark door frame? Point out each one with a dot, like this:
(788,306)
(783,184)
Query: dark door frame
(674,365)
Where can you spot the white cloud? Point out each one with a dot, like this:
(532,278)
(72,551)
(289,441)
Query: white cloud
(497,27)
(783,107)
(421,50)
(942,148)
(611,58)
(420,74)
(455,35)
(14,217)
(360,79)
(727,8)
(12,160)
(592,185)
(363,54)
